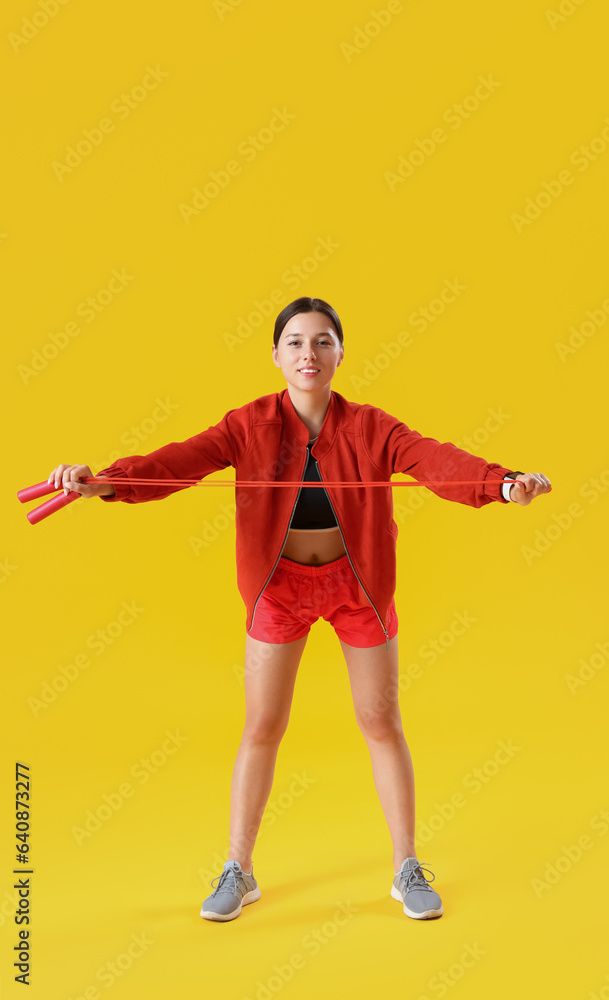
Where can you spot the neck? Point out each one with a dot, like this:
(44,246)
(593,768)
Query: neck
(311,407)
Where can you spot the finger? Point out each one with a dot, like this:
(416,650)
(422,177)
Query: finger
(70,483)
(67,477)
(59,475)
(538,484)
(517,491)
(74,474)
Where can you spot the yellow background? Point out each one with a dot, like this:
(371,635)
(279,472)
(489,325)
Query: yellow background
(176,667)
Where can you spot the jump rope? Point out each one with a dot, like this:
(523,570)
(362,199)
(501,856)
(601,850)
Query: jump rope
(57,502)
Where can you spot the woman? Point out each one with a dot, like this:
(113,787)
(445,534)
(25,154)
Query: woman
(305,552)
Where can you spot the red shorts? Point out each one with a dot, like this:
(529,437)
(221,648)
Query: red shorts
(298,594)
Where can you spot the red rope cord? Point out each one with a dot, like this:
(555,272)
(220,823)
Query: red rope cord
(256,482)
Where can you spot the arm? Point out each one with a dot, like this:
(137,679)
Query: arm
(196,457)
(394,447)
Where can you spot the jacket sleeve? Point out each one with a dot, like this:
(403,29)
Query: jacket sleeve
(394,447)
(216,448)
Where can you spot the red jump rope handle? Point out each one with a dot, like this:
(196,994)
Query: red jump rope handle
(55,503)
(51,506)
(39,490)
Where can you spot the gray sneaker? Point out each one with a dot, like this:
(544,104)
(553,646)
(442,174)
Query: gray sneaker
(411,888)
(234,890)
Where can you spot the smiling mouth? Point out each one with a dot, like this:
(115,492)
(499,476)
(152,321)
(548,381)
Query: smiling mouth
(309,371)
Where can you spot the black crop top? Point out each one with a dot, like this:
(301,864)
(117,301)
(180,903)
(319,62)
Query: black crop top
(313,510)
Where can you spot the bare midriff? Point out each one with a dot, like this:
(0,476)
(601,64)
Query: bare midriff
(313,548)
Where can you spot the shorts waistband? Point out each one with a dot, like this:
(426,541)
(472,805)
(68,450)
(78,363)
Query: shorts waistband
(306,569)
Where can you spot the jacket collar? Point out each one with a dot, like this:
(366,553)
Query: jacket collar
(300,430)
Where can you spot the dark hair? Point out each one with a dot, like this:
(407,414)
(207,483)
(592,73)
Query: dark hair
(303,305)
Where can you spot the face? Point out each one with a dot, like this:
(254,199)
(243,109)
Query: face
(308,351)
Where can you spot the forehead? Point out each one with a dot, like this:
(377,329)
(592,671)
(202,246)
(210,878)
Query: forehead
(308,324)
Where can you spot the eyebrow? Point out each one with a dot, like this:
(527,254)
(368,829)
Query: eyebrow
(324,334)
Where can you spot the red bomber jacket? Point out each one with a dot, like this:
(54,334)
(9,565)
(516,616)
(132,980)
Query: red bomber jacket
(266,440)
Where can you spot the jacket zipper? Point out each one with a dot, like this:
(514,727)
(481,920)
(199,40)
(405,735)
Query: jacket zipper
(281,549)
(350,560)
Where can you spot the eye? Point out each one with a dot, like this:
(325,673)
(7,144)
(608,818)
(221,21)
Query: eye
(290,342)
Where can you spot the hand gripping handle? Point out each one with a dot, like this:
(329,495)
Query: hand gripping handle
(55,503)
(39,490)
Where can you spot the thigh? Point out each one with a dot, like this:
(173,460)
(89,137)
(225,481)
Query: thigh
(270,675)
(374,679)
(284,611)
(355,624)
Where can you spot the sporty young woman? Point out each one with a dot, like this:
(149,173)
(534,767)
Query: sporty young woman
(305,553)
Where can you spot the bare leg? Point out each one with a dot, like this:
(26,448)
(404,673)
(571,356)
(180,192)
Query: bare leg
(270,674)
(373,675)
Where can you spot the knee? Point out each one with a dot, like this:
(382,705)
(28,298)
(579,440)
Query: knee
(382,727)
(264,729)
